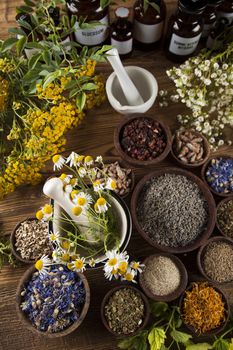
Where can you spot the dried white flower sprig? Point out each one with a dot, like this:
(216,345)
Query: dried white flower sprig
(205,85)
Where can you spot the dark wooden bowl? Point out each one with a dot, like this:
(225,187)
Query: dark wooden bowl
(146,316)
(207,195)
(215,330)
(136,162)
(23,318)
(183,284)
(225,200)
(203,172)
(201,253)
(205,154)
(13,239)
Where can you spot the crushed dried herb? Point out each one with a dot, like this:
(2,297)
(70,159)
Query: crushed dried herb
(225,218)
(203,308)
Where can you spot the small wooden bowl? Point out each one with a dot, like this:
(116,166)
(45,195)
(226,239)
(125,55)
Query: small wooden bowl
(205,154)
(23,318)
(201,253)
(183,283)
(203,172)
(146,316)
(223,201)
(136,162)
(207,195)
(13,240)
(215,330)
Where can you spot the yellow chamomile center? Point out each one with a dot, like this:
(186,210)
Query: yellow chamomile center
(112,262)
(63,176)
(70,266)
(101,201)
(81,201)
(73,193)
(56,158)
(114,272)
(123,266)
(78,264)
(72,182)
(53,237)
(39,215)
(48,209)
(135,265)
(128,277)
(76,211)
(80,159)
(65,257)
(39,265)
(88,159)
(113,184)
(65,245)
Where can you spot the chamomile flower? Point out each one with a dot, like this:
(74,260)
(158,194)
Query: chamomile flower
(74,194)
(110,274)
(101,205)
(77,210)
(65,178)
(113,261)
(82,171)
(92,262)
(42,265)
(56,255)
(65,257)
(88,160)
(45,213)
(65,244)
(54,236)
(137,266)
(123,266)
(99,159)
(111,184)
(80,160)
(83,200)
(79,265)
(98,186)
(129,275)
(72,159)
(58,161)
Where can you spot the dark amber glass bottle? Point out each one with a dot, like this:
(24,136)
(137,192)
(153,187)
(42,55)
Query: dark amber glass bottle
(225,10)
(122,33)
(213,40)
(149,24)
(210,17)
(184,30)
(90,10)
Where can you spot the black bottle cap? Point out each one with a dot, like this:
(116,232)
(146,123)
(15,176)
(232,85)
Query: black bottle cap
(23,16)
(193,6)
(54,13)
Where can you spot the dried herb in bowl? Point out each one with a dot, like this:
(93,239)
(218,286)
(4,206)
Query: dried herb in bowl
(219,175)
(225,218)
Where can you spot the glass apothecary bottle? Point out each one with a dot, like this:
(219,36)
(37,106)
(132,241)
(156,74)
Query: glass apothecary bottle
(54,13)
(184,30)
(214,40)
(225,10)
(148,23)
(122,32)
(89,11)
(210,17)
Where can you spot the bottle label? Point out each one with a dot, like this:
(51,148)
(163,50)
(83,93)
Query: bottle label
(123,47)
(206,29)
(183,46)
(147,33)
(92,36)
(227,15)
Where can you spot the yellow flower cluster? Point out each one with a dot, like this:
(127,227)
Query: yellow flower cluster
(6,66)
(87,70)
(97,96)
(4,86)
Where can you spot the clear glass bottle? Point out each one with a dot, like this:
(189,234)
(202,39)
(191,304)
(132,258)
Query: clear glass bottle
(210,17)
(122,32)
(149,24)
(184,30)
(90,10)
(225,10)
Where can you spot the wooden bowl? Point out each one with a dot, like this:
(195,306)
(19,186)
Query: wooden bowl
(203,172)
(146,316)
(215,330)
(201,253)
(183,283)
(23,318)
(136,162)
(13,241)
(207,195)
(223,201)
(205,154)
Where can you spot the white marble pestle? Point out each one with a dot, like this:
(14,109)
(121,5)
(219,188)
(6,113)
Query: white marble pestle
(129,89)
(53,188)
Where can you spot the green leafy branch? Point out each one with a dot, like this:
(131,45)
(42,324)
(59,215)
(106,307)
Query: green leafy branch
(5,253)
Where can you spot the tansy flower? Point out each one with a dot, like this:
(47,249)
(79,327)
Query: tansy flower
(99,159)
(72,159)
(111,184)
(83,200)
(43,264)
(58,161)
(113,261)
(92,262)
(101,205)
(129,275)
(77,211)
(137,266)
(98,186)
(79,265)
(54,236)
(88,160)
(82,171)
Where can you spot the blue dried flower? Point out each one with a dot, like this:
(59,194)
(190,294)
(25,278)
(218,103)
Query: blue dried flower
(219,175)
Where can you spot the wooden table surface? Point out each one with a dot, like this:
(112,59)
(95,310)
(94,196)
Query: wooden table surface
(94,136)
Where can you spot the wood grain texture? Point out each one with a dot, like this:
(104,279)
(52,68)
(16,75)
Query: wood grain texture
(94,136)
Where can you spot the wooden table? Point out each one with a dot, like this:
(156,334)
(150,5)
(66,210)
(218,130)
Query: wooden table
(95,137)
